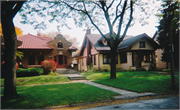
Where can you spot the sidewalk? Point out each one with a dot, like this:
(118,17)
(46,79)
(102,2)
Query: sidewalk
(124,93)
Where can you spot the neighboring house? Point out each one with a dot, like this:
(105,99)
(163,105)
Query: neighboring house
(37,49)
(159,64)
(133,52)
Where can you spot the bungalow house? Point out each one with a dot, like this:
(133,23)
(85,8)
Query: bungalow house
(134,52)
(37,49)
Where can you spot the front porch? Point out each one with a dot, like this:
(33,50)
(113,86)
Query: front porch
(143,59)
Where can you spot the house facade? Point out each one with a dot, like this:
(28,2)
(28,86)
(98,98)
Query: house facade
(159,64)
(37,49)
(134,52)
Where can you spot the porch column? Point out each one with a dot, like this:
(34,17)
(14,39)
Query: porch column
(129,59)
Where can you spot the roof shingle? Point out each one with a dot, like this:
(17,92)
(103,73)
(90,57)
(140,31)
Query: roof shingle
(33,42)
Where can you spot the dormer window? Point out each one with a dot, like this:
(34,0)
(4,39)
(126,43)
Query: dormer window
(60,45)
(104,42)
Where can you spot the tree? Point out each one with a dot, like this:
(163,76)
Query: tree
(53,34)
(113,14)
(163,29)
(8,11)
(169,35)
(18,31)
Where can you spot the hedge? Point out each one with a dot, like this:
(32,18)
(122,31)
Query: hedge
(29,72)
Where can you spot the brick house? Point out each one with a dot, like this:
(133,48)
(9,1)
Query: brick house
(37,49)
(134,52)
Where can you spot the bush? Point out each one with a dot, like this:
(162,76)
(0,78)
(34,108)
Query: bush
(28,72)
(95,70)
(53,73)
(48,65)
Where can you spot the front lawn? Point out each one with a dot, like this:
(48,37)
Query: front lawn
(40,96)
(38,80)
(137,81)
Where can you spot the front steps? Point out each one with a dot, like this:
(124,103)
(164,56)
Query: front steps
(66,71)
(71,74)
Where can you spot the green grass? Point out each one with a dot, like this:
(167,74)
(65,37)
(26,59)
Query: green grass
(137,81)
(40,96)
(38,80)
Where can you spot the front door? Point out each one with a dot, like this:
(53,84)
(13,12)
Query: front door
(137,59)
(61,61)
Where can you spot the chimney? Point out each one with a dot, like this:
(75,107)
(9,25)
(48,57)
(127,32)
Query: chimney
(88,31)
(38,33)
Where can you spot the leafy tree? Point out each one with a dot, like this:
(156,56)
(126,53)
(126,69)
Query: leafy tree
(112,14)
(169,34)
(163,29)
(8,11)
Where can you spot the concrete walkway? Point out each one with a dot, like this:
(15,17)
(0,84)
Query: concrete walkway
(123,93)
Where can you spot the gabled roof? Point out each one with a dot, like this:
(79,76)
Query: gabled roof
(127,43)
(33,42)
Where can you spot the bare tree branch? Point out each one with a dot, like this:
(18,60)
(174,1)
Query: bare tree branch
(107,17)
(17,7)
(121,19)
(110,5)
(117,16)
(93,22)
(129,22)
(97,4)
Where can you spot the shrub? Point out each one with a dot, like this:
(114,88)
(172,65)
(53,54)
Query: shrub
(53,73)
(29,72)
(48,65)
(95,70)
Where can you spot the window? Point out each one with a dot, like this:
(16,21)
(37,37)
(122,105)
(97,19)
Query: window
(123,57)
(147,57)
(60,45)
(94,59)
(31,60)
(55,59)
(106,58)
(65,58)
(142,44)
(40,59)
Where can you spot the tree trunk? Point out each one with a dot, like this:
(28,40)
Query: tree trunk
(10,57)
(113,62)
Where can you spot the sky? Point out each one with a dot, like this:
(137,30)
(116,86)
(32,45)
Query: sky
(79,33)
